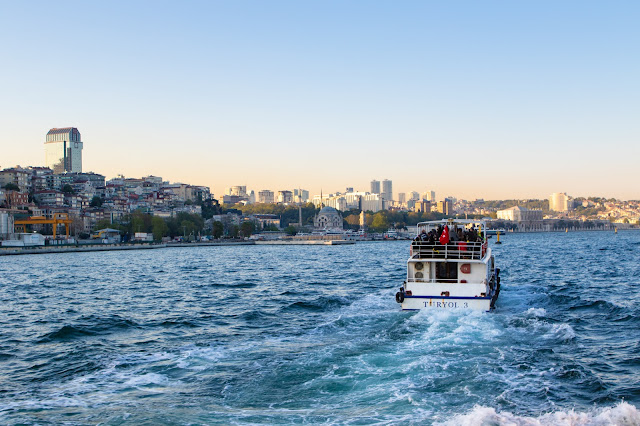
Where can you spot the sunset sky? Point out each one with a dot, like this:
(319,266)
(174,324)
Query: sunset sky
(491,99)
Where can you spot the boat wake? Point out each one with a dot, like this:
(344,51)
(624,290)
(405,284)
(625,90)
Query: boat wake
(621,414)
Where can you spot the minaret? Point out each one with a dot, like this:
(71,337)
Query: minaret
(299,208)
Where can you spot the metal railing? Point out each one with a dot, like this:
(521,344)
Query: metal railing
(452,250)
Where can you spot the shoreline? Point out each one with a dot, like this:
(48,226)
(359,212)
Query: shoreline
(16,251)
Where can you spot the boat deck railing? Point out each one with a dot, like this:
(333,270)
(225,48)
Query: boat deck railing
(452,250)
(443,280)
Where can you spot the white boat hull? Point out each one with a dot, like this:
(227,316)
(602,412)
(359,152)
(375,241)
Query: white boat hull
(441,303)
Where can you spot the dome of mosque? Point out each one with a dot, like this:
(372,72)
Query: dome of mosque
(328,218)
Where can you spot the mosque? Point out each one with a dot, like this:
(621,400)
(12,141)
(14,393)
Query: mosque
(327,219)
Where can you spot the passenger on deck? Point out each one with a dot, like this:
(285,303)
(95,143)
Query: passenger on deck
(453,235)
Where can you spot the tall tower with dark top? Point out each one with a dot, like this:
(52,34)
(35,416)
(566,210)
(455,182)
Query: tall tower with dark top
(63,150)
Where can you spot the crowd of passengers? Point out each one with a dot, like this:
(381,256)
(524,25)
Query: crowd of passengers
(470,235)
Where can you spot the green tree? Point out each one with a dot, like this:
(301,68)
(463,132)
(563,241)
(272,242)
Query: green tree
(95,201)
(12,187)
(102,224)
(68,189)
(247,228)
(290,230)
(379,223)
(353,221)
(188,227)
(159,228)
(218,229)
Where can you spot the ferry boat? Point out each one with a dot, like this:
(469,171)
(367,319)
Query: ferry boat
(450,266)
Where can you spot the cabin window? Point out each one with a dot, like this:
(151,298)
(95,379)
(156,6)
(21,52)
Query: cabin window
(446,271)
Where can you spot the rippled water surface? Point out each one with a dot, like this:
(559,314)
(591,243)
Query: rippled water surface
(312,334)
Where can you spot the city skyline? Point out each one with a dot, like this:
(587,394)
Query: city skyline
(493,101)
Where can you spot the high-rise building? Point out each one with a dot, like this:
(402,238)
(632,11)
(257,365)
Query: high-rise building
(387,190)
(429,196)
(266,196)
(238,190)
(560,202)
(375,187)
(446,207)
(402,197)
(63,150)
(300,195)
(285,197)
(422,206)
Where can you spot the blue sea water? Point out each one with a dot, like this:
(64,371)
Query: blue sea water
(312,334)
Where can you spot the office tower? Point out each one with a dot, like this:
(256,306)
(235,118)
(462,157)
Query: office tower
(402,197)
(266,196)
(375,187)
(63,150)
(429,196)
(300,195)
(560,202)
(445,207)
(387,190)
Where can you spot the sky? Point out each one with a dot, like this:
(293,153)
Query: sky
(472,99)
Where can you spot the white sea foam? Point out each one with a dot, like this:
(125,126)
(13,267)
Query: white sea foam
(535,312)
(147,379)
(563,332)
(621,414)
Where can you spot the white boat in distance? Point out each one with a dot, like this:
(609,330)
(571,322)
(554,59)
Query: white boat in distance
(450,267)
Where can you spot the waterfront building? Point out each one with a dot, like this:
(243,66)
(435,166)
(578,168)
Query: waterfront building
(387,190)
(6,225)
(519,214)
(63,150)
(328,218)
(560,202)
(375,186)
(266,220)
(266,197)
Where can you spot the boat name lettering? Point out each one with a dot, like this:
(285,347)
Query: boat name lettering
(446,305)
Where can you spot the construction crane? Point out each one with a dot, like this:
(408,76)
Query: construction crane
(58,219)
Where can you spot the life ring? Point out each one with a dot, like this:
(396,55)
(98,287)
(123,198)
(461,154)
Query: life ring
(399,297)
